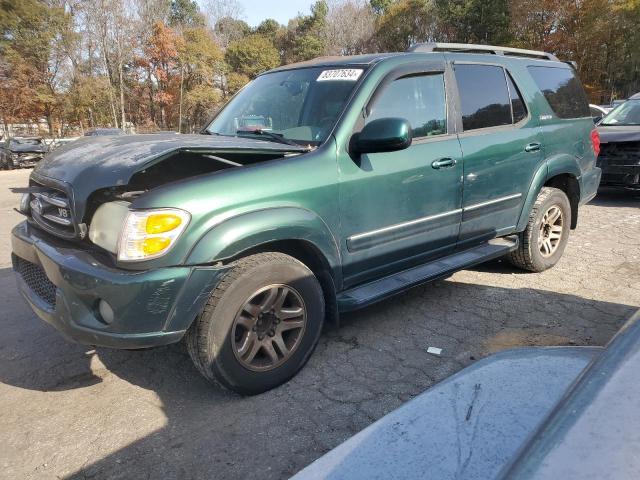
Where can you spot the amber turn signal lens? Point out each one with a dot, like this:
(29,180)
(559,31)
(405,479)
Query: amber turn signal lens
(162,222)
(153,245)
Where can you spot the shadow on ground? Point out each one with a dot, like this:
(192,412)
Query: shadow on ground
(616,197)
(375,362)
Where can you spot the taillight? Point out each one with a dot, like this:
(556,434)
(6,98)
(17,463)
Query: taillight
(595,141)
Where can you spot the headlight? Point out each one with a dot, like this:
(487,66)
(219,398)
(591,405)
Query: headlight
(25,201)
(149,234)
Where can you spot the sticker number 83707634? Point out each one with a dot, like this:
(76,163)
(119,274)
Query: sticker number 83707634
(344,74)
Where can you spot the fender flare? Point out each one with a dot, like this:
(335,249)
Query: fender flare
(551,167)
(240,233)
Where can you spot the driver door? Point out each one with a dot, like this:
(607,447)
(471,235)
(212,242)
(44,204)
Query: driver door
(402,208)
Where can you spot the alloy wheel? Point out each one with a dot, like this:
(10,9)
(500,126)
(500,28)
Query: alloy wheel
(269,327)
(551,229)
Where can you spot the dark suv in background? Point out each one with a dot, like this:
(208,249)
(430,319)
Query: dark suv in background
(21,152)
(620,145)
(320,188)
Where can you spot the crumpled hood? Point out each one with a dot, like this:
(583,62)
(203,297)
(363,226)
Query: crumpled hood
(113,160)
(92,163)
(611,134)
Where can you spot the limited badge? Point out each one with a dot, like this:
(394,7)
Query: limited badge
(343,74)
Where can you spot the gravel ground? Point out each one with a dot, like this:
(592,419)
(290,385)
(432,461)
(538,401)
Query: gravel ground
(71,412)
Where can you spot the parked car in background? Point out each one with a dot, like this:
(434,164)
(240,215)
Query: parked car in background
(378,173)
(103,132)
(544,413)
(22,152)
(597,112)
(620,145)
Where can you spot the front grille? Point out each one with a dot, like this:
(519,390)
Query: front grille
(35,278)
(622,153)
(28,158)
(51,209)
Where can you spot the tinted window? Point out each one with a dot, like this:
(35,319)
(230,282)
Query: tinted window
(517,104)
(562,90)
(420,99)
(484,97)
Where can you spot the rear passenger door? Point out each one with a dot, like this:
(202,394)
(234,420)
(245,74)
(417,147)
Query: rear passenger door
(501,147)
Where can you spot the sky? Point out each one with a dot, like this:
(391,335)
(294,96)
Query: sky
(282,10)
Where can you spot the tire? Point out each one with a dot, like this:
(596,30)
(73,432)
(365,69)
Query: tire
(233,314)
(530,254)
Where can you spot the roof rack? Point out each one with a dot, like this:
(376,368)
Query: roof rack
(473,48)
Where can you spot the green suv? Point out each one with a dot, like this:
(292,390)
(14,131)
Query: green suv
(320,188)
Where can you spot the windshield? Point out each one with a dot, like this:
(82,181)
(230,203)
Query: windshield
(298,106)
(626,114)
(26,141)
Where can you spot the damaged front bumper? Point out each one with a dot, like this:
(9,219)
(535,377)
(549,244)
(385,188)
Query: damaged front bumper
(27,161)
(625,176)
(64,286)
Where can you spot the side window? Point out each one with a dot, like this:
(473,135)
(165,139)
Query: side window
(418,98)
(563,91)
(517,104)
(484,96)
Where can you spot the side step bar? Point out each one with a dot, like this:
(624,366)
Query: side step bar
(369,293)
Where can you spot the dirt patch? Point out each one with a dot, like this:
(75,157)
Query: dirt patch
(513,338)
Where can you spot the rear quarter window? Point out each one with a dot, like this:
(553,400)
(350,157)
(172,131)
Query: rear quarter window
(563,91)
(484,96)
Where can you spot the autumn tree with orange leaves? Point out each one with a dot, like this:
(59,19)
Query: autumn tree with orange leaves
(171,64)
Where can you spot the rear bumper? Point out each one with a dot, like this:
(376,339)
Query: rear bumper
(589,183)
(64,285)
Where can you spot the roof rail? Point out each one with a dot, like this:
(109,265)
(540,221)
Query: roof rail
(473,48)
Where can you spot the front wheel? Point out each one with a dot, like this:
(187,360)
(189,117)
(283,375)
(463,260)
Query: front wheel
(260,325)
(545,238)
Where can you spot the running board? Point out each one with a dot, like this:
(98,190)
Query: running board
(372,292)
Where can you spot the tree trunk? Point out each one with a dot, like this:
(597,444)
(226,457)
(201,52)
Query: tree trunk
(123,120)
(180,107)
(48,114)
(109,77)
(113,107)
(152,106)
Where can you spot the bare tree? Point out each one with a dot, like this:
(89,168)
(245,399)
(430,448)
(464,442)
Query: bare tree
(228,14)
(111,23)
(216,10)
(350,27)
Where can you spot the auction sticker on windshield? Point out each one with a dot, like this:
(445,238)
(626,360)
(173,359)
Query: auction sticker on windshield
(348,74)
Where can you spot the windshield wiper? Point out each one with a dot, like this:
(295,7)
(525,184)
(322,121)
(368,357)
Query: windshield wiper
(272,136)
(211,132)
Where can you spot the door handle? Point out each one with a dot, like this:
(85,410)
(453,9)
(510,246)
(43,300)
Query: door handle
(443,162)
(532,147)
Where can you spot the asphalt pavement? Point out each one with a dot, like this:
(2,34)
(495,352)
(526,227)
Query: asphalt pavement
(69,411)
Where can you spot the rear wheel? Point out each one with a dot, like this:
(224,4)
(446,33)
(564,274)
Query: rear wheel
(260,324)
(543,241)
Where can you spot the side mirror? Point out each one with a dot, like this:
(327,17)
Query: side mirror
(382,135)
